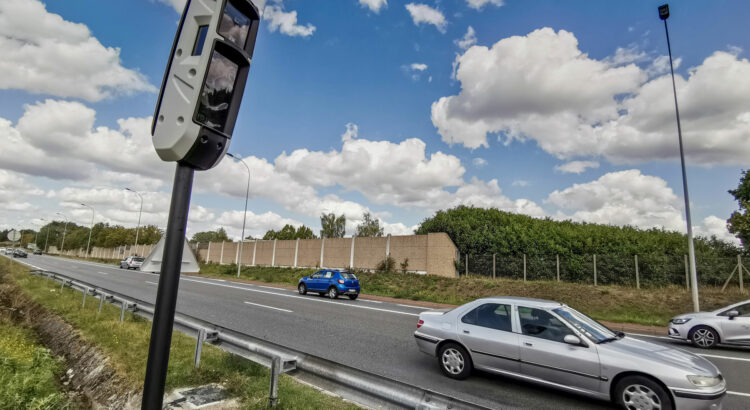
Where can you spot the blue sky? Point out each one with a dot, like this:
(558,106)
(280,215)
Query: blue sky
(596,72)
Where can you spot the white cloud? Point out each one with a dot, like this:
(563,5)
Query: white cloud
(627,55)
(178,5)
(256,225)
(479,162)
(469,39)
(543,88)
(660,66)
(478,4)
(714,226)
(418,66)
(286,21)
(520,182)
(45,54)
(576,167)
(374,5)
(415,70)
(422,13)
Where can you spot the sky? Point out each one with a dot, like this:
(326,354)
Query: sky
(546,108)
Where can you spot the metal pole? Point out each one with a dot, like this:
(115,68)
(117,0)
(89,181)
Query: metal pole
(637,276)
(91,228)
(466,268)
(244,215)
(137,227)
(65,229)
(46,241)
(166,294)
(594,270)
(557,260)
(273,395)
(739,266)
(524,267)
(691,248)
(687,274)
(493,265)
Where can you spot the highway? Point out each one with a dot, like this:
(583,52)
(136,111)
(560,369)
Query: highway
(373,336)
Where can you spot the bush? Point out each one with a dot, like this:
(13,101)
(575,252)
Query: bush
(405,265)
(386,265)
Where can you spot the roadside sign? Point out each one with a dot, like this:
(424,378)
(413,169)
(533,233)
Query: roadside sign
(14,235)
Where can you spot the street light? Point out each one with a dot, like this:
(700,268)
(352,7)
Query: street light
(62,245)
(244,215)
(91,228)
(139,214)
(47,238)
(664,15)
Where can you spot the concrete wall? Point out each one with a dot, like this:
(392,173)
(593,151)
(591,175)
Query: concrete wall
(433,254)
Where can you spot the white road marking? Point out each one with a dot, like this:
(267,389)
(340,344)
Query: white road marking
(304,297)
(103,273)
(412,306)
(724,357)
(151,283)
(371,301)
(270,307)
(736,393)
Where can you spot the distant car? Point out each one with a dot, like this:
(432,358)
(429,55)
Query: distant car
(551,344)
(20,253)
(729,325)
(330,282)
(37,251)
(8,251)
(131,262)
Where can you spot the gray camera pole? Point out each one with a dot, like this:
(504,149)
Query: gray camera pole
(166,296)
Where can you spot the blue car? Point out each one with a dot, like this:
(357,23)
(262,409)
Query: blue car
(330,282)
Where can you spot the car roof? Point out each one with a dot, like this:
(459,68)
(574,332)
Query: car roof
(528,302)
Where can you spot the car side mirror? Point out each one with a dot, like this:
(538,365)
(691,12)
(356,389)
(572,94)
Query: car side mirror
(572,340)
(733,314)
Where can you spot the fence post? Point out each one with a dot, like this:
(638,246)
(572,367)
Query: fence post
(739,266)
(637,276)
(273,254)
(594,269)
(524,267)
(493,265)
(274,388)
(296,252)
(557,260)
(687,274)
(221,255)
(199,347)
(466,265)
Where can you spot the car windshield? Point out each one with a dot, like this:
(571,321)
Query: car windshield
(586,325)
(348,275)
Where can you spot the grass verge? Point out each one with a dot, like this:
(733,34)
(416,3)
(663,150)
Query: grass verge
(651,306)
(126,344)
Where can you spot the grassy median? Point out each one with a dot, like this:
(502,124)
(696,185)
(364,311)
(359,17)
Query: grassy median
(126,344)
(647,306)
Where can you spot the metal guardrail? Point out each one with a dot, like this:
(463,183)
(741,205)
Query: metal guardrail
(364,387)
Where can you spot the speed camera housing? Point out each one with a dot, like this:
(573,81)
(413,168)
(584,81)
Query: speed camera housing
(204,81)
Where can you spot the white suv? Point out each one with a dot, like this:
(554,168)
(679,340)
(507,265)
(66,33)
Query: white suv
(131,262)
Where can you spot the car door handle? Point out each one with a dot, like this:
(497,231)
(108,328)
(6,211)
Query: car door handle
(528,344)
(467,332)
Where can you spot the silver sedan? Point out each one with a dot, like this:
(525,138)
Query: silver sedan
(554,345)
(729,325)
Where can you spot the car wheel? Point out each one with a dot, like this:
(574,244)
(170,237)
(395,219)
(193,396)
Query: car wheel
(333,293)
(703,337)
(302,289)
(352,297)
(455,361)
(640,392)
(120,266)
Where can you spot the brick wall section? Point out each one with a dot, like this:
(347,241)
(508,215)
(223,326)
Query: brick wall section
(433,254)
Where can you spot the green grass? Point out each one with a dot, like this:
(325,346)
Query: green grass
(127,345)
(647,306)
(28,372)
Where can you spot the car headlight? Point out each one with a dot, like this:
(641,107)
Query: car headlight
(705,381)
(680,320)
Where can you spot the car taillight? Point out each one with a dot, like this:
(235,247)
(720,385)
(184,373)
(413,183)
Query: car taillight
(420,322)
(341,281)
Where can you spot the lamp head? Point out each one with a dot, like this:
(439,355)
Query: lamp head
(664,11)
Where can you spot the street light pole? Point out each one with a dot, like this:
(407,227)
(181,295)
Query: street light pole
(664,15)
(91,228)
(62,245)
(138,227)
(244,215)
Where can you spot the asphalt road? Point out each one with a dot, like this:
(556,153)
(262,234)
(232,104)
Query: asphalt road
(373,336)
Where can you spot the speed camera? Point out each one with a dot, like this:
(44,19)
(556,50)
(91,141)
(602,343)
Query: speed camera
(204,81)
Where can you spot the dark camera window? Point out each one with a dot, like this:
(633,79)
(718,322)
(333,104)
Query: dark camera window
(491,315)
(216,95)
(200,40)
(234,25)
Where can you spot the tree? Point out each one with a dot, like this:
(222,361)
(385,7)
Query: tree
(219,235)
(370,227)
(333,226)
(739,222)
(288,232)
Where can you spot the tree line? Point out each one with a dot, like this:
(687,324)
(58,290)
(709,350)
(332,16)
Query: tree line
(76,236)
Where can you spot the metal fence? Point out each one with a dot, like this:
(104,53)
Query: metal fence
(367,388)
(647,270)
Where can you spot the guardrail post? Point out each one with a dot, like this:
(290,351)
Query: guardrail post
(122,311)
(199,347)
(274,390)
(102,296)
(83,301)
(62,285)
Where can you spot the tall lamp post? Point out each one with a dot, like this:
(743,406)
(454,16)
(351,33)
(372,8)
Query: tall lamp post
(244,215)
(664,15)
(62,245)
(91,228)
(46,240)
(138,227)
